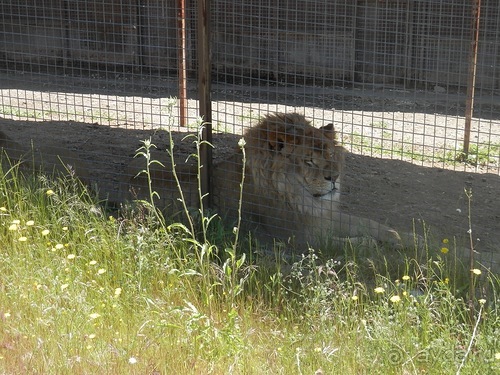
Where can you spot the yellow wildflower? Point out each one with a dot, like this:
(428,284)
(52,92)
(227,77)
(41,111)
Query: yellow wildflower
(379,290)
(395,299)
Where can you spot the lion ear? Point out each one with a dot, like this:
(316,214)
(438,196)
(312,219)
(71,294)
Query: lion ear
(328,128)
(329,131)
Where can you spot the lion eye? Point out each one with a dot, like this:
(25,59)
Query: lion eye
(310,163)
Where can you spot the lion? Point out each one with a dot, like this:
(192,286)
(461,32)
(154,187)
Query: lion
(293,175)
(291,189)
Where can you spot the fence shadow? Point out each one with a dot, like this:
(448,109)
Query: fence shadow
(399,193)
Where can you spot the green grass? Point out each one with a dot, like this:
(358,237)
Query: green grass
(85,293)
(109,116)
(479,154)
(14,111)
(385,146)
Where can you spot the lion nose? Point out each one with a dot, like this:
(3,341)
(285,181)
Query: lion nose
(331,180)
(332,175)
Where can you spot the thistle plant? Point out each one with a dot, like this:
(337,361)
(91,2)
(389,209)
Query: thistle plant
(145,151)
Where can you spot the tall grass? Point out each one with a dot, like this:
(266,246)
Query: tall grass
(82,292)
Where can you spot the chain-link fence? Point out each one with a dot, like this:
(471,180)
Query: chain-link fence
(412,89)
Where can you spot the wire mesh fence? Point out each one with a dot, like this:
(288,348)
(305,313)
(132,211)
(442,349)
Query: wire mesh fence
(400,80)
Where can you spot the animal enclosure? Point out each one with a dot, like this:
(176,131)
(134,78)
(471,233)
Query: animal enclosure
(412,88)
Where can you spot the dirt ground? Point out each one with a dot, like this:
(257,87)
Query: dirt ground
(396,192)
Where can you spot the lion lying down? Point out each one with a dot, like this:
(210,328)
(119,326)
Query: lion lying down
(291,189)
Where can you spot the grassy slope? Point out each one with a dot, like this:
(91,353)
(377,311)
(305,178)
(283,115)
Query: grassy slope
(82,293)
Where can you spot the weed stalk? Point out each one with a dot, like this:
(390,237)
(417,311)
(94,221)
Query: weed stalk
(145,151)
(472,284)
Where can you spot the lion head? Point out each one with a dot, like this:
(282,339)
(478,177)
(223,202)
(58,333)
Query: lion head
(289,156)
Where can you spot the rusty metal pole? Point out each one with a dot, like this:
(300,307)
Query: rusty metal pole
(181,54)
(205,100)
(471,80)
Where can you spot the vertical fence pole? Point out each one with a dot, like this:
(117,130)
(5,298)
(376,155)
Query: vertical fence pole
(205,101)
(471,80)
(181,41)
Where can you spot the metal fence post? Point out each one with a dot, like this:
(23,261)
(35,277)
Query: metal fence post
(181,24)
(471,79)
